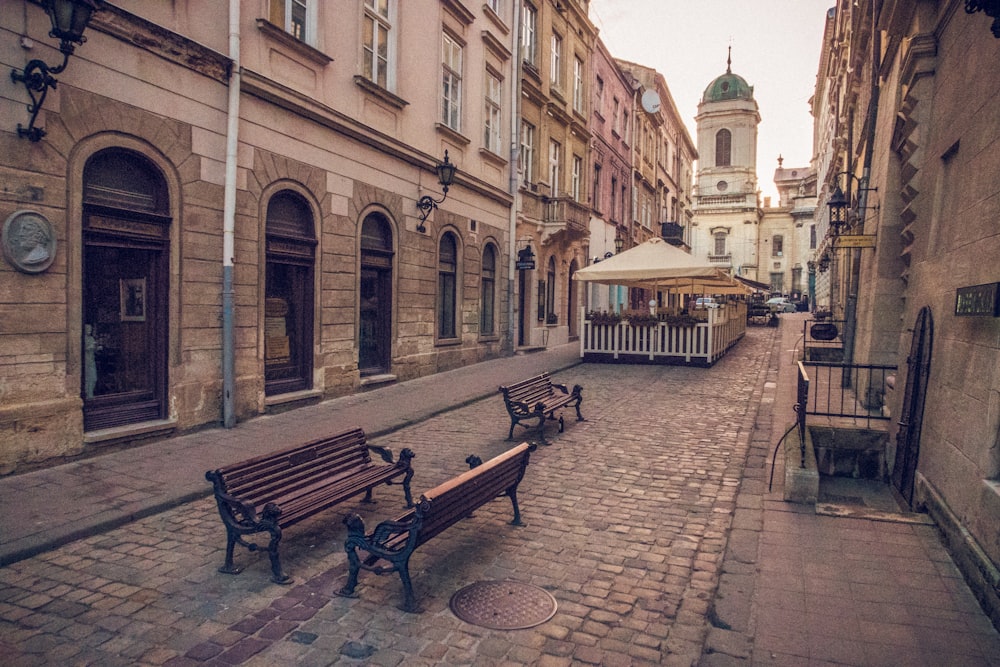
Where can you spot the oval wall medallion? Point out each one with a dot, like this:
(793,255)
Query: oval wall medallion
(29,241)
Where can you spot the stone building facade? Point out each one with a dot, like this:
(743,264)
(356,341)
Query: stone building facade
(253,208)
(553,213)
(909,120)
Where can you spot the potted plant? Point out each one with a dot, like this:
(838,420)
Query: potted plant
(639,318)
(682,321)
(600,318)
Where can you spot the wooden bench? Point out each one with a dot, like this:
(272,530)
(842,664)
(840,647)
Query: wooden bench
(274,491)
(395,541)
(539,398)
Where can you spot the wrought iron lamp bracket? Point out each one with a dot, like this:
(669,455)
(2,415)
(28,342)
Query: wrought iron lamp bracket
(37,79)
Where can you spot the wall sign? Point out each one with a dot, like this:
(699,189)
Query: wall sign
(982,300)
(29,242)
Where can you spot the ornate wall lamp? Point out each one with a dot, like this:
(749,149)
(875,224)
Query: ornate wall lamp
(69,20)
(839,203)
(989,7)
(619,244)
(446,176)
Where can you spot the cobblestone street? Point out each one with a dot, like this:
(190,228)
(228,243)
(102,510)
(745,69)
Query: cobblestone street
(627,515)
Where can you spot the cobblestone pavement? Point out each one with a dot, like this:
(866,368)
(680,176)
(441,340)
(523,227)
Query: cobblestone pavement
(627,517)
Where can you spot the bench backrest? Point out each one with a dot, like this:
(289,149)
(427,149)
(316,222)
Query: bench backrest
(262,479)
(459,496)
(529,391)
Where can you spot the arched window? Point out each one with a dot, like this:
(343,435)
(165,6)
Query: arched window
(550,293)
(487,292)
(447,286)
(723,148)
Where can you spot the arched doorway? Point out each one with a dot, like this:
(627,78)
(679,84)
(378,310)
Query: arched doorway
(572,302)
(918,369)
(288,294)
(125,286)
(375,296)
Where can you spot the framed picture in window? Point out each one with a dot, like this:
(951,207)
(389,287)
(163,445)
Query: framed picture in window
(132,298)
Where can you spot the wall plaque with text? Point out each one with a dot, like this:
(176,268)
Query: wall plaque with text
(982,300)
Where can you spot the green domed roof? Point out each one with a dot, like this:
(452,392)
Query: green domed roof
(729,86)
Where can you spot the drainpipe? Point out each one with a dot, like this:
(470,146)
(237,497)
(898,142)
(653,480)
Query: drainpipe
(515,129)
(851,310)
(229,221)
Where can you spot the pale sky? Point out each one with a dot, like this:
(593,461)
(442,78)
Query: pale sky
(776,46)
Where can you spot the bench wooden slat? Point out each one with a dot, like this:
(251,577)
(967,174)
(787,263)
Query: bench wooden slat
(441,507)
(538,399)
(273,491)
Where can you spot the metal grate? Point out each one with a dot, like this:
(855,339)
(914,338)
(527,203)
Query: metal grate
(503,605)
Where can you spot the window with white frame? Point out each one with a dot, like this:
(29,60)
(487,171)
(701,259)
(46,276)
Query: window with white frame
(493,113)
(578,85)
(529,34)
(555,61)
(720,244)
(495,5)
(526,158)
(451,82)
(615,126)
(296,17)
(577,176)
(777,245)
(555,151)
(376,43)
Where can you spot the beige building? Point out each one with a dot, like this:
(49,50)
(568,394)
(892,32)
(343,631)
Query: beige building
(906,114)
(553,220)
(229,224)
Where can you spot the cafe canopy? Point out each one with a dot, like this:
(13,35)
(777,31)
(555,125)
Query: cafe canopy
(659,266)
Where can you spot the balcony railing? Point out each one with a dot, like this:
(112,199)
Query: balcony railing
(565,214)
(720,259)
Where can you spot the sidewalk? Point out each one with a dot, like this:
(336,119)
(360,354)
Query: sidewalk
(798,587)
(51,507)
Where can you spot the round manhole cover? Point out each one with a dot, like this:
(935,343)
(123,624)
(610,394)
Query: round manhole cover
(503,605)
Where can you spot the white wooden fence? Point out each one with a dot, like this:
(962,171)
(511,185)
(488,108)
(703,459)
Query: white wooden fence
(702,344)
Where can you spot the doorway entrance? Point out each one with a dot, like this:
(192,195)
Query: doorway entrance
(375,297)
(125,283)
(918,368)
(288,294)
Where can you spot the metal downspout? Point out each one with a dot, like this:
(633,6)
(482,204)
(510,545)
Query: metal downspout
(229,221)
(515,118)
(851,315)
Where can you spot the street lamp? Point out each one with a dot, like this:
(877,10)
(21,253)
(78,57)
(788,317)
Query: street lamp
(839,202)
(69,19)
(838,211)
(619,243)
(446,176)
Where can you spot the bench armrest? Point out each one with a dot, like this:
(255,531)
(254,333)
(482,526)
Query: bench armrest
(235,512)
(384,452)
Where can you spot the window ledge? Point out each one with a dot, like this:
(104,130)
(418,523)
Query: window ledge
(493,16)
(378,91)
(455,136)
(490,156)
(297,45)
(447,342)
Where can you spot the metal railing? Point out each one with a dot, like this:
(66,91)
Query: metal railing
(856,391)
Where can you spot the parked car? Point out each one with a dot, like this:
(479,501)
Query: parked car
(780,304)
(705,302)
